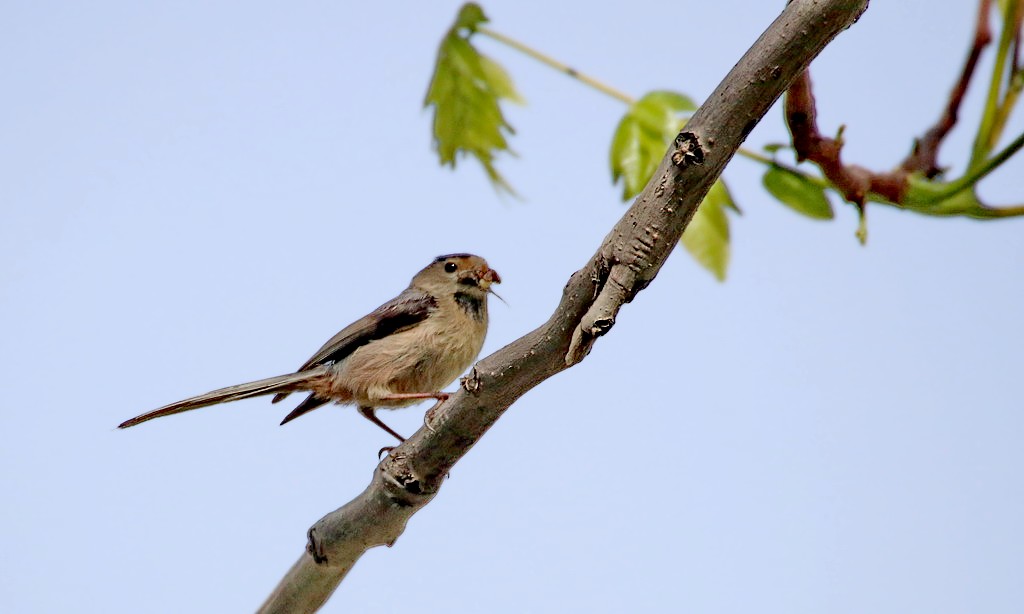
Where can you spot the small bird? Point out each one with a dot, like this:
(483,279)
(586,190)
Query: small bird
(404,351)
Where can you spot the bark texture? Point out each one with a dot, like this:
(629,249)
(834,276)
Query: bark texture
(625,263)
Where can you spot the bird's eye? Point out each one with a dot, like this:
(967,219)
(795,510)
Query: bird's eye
(451,267)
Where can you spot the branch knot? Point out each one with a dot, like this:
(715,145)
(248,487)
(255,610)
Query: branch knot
(687,150)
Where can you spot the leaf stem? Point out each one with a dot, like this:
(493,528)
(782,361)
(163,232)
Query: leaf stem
(992,123)
(976,174)
(986,213)
(555,64)
(987,130)
(756,157)
(604,88)
(1015,79)
(768,161)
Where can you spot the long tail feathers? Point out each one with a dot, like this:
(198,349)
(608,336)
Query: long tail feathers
(280,384)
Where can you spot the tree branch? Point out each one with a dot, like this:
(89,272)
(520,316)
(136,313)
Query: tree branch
(854,182)
(628,259)
(925,155)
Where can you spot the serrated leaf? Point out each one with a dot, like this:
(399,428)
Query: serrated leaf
(642,137)
(465,91)
(499,80)
(797,192)
(707,236)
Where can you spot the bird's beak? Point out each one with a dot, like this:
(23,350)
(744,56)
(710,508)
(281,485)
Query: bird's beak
(486,277)
(490,276)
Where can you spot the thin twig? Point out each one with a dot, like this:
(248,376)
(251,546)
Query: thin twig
(855,183)
(586,79)
(859,185)
(553,63)
(977,174)
(990,128)
(1015,58)
(925,155)
(1014,81)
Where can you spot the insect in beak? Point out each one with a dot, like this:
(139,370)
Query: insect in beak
(491,276)
(488,277)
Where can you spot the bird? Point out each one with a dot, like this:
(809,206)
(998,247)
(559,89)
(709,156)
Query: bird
(402,352)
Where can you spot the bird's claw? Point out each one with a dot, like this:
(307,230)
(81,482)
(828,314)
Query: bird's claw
(428,417)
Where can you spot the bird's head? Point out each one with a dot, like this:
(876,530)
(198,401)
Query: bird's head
(464,273)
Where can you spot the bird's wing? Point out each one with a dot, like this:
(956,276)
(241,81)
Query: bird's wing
(407,309)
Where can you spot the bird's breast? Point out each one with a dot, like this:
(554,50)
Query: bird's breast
(426,357)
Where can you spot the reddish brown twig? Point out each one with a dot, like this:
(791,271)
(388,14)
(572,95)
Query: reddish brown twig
(1015,58)
(852,181)
(925,155)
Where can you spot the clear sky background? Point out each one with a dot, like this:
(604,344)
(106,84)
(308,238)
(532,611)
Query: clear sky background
(196,194)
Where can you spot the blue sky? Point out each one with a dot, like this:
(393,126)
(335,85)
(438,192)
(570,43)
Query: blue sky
(198,194)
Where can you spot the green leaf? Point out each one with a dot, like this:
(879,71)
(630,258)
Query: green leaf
(798,192)
(707,236)
(470,16)
(721,192)
(642,137)
(465,92)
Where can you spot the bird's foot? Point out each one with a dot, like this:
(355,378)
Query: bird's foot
(428,418)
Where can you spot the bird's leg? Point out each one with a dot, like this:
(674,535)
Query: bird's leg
(403,396)
(367,412)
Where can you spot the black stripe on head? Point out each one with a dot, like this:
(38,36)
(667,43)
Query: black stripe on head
(447,256)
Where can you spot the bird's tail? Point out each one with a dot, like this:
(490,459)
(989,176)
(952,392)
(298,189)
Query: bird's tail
(282,383)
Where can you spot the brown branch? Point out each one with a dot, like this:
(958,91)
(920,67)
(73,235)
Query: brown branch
(1015,55)
(858,184)
(925,155)
(628,259)
(853,182)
